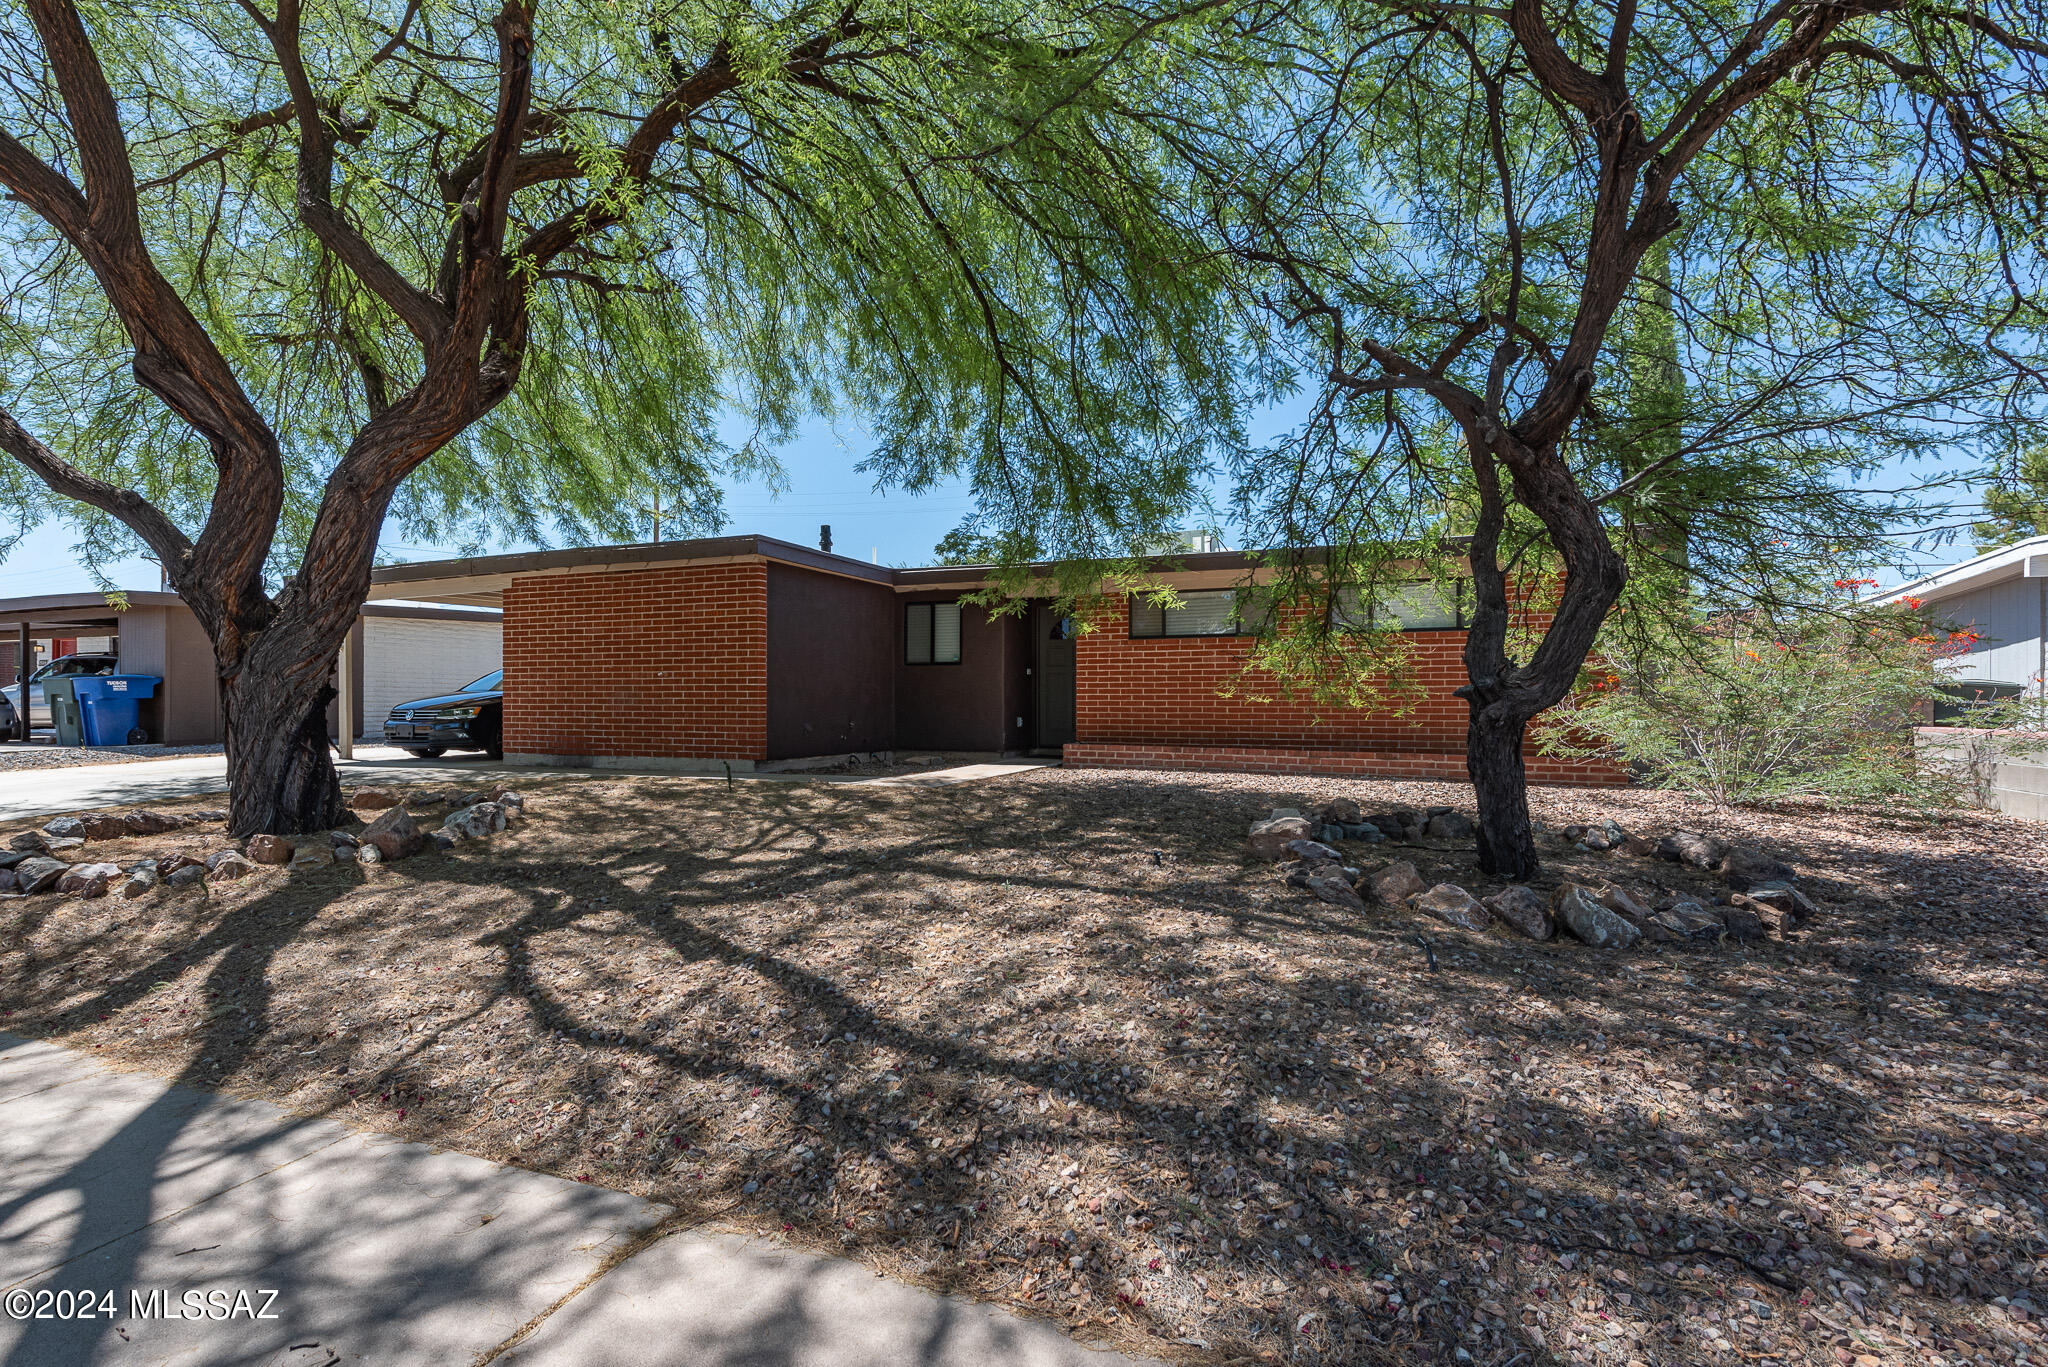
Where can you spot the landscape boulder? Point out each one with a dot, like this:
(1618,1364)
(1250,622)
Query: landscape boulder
(7,879)
(373,799)
(1743,924)
(1340,811)
(64,825)
(484,819)
(1743,869)
(1695,919)
(1785,898)
(1624,906)
(1580,910)
(1449,902)
(393,835)
(1450,826)
(1396,883)
(1271,837)
(227,866)
(1314,852)
(142,876)
(1524,909)
(1776,920)
(181,859)
(1399,823)
(1327,881)
(9,858)
(1691,847)
(1595,839)
(186,876)
(312,855)
(269,849)
(88,880)
(38,873)
(27,842)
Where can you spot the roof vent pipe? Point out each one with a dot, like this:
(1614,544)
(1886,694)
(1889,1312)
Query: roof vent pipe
(825,538)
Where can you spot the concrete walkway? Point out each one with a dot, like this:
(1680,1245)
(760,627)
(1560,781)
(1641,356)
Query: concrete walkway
(358,1248)
(41,792)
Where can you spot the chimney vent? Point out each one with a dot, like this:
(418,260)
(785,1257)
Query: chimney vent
(825,538)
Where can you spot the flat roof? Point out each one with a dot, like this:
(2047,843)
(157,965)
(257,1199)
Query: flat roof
(59,611)
(2026,559)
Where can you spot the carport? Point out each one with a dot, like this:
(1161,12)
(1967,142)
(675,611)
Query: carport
(154,633)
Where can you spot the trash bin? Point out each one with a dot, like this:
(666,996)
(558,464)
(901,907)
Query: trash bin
(110,707)
(63,705)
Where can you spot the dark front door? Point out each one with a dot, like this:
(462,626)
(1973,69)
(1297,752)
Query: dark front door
(1053,674)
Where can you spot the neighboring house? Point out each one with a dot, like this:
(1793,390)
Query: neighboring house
(2003,597)
(757,653)
(398,651)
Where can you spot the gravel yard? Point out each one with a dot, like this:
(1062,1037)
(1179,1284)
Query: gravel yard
(1055,1041)
(16,756)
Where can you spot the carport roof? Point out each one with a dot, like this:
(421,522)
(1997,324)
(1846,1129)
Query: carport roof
(62,611)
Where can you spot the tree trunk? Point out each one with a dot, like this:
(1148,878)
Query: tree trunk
(1493,759)
(280,778)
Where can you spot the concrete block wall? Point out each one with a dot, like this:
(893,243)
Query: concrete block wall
(660,664)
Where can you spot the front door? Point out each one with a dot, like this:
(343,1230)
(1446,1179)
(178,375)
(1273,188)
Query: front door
(1053,673)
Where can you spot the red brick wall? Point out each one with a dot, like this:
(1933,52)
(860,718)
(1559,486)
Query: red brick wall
(1156,703)
(657,663)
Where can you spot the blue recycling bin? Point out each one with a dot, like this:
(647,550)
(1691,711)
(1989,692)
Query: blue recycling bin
(110,707)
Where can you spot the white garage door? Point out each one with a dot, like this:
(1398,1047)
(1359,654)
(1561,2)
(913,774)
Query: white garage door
(407,658)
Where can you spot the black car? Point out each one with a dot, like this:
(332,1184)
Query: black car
(470,718)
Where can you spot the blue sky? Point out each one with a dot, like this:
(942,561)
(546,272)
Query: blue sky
(824,486)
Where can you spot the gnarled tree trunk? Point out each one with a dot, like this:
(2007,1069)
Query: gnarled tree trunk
(281,780)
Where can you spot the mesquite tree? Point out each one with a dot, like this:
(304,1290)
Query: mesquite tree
(1621,303)
(273,274)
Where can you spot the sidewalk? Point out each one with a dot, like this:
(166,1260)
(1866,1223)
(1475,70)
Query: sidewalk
(389,1253)
(45,792)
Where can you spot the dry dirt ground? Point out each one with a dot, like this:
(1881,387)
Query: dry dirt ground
(1055,1041)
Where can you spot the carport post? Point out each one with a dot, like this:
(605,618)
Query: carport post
(21,664)
(345,707)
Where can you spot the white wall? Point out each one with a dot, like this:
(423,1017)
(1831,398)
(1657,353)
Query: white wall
(407,658)
(2009,617)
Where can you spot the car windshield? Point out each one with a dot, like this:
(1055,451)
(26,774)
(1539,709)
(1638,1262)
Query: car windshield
(489,683)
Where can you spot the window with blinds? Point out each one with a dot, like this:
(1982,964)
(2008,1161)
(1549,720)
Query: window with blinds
(1425,606)
(1207,613)
(931,633)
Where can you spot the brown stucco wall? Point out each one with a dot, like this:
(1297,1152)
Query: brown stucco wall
(832,644)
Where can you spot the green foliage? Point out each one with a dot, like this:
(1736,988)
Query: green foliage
(2016,505)
(1747,710)
(957,223)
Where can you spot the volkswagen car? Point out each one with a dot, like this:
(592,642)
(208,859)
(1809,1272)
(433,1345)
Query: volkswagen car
(470,718)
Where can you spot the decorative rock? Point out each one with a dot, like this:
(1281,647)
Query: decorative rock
(394,835)
(1313,852)
(1787,899)
(1775,920)
(1524,909)
(312,855)
(88,880)
(343,838)
(1329,831)
(269,849)
(1449,902)
(1595,840)
(487,818)
(1583,915)
(171,863)
(373,799)
(1397,882)
(442,840)
(1450,826)
(1341,811)
(1690,847)
(1744,869)
(1624,906)
(1743,923)
(1327,882)
(9,858)
(142,877)
(1402,823)
(1573,833)
(38,873)
(227,866)
(369,854)
(186,876)
(1363,830)
(1699,921)
(1279,812)
(1271,837)
(64,825)
(28,842)
(513,803)
(6,880)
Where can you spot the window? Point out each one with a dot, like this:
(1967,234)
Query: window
(931,633)
(1210,612)
(1424,606)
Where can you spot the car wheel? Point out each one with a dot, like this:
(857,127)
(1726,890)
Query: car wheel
(429,752)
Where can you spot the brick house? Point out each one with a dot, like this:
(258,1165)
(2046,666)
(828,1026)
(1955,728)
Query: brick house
(758,653)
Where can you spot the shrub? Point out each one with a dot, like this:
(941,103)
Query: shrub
(1748,711)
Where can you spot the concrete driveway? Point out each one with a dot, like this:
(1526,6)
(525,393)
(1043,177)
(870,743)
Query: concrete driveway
(43,792)
(174,1226)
